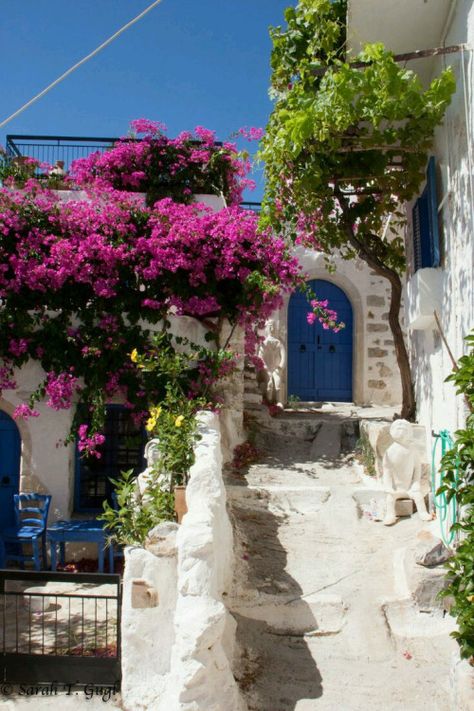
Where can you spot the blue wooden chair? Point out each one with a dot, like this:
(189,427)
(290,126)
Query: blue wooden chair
(31,516)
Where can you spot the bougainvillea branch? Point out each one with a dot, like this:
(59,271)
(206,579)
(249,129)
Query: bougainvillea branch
(85,282)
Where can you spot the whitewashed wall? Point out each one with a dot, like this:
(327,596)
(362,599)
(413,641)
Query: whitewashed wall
(46,464)
(192,671)
(375,372)
(438,405)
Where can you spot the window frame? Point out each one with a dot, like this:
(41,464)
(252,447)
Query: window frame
(78,505)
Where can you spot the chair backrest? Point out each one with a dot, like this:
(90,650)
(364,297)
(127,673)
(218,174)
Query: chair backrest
(32,509)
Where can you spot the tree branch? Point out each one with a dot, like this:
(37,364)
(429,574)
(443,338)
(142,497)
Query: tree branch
(363,149)
(405,57)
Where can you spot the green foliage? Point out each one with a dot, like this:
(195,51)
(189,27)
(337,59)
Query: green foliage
(16,170)
(293,401)
(173,422)
(182,364)
(458,463)
(349,145)
(365,454)
(134,516)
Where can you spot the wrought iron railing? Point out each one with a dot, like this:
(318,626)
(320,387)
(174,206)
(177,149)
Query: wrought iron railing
(254,206)
(49,149)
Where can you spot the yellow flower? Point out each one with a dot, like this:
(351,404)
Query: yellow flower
(179,421)
(134,355)
(155,412)
(150,425)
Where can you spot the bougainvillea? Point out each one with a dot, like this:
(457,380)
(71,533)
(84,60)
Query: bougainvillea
(85,281)
(79,279)
(191,163)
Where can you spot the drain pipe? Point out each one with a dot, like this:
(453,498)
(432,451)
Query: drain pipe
(447,23)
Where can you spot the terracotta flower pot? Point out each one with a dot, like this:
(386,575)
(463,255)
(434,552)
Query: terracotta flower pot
(180,502)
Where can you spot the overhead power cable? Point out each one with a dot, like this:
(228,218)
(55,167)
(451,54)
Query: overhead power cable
(80,63)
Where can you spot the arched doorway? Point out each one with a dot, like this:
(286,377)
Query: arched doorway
(319,360)
(10,453)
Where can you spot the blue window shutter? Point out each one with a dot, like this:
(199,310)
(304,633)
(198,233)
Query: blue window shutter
(421,232)
(433,212)
(417,235)
(425,223)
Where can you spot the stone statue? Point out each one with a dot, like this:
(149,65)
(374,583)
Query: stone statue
(402,472)
(272,354)
(152,456)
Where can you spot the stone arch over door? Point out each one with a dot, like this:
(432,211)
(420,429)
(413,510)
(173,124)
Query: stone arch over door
(320,361)
(10,457)
(313,264)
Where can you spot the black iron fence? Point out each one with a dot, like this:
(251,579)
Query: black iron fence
(59,627)
(254,206)
(49,149)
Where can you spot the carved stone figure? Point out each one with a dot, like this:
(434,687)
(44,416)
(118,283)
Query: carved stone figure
(272,353)
(402,472)
(152,456)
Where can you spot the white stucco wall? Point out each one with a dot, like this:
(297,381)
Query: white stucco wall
(438,405)
(46,466)
(147,633)
(375,372)
(192,671)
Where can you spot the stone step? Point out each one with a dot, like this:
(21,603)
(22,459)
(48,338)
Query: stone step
(327,443)
(302,500)
(253,397)
(252,388)
(411,627)
(312,616)
(253,407)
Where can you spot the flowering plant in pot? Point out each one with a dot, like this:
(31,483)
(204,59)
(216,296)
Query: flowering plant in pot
(189,375)
(173,423)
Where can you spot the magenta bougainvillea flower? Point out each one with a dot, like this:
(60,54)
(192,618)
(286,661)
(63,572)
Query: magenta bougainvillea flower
(82,281)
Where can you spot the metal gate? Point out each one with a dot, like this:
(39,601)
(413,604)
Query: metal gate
(59,627)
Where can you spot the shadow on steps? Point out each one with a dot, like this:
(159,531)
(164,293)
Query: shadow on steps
(273,664)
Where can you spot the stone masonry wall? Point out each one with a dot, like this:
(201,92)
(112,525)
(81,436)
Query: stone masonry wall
(376,378)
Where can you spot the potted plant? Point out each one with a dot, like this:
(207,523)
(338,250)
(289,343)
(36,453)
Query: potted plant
(173,425)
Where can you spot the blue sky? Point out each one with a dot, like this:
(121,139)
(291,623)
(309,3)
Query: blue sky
(187,63)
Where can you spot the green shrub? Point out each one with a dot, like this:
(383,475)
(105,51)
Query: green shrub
(365,454)
(458,483)
(134,516)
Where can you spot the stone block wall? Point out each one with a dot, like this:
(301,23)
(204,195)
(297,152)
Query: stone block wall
(376,378)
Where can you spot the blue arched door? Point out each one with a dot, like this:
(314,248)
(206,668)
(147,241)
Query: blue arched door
(10,452)
(319,360)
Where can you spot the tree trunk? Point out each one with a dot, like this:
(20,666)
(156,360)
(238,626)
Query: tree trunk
(408,397)
(374,262)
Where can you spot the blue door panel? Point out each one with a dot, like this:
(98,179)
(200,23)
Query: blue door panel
(10,449)
(319,360)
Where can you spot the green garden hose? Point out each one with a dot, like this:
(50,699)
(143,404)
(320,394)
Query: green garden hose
(446,512)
